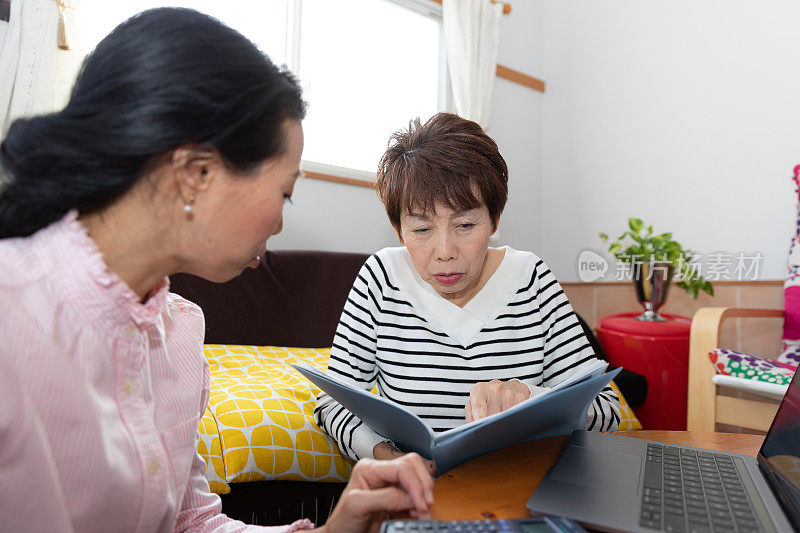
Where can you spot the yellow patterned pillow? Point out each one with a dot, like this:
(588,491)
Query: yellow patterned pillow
(628,419)
(259,423)
(210,449)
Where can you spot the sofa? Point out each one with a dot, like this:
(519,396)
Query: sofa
(292,299)
(266,457)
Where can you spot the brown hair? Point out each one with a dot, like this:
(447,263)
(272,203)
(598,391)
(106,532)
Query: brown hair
(440,161)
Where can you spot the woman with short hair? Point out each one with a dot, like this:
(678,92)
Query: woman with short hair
(444,325)
(177,149)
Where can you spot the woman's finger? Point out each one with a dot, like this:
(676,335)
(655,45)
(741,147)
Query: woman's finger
(468,412)
(477,398)
(402,471)
(510,397)
(433,472)
(425,473)
(391,499)
(494,400)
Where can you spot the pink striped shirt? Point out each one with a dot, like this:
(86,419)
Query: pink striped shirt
(101,396)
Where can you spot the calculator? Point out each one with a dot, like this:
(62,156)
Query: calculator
(544,524)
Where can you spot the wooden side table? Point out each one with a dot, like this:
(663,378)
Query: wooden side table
(660,352)
(498,484)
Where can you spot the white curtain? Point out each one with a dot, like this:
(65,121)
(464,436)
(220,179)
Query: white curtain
(472,35)
(27,60)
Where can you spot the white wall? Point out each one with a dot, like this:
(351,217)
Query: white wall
(334,217)
(683,113)
(516,125)
(331,216)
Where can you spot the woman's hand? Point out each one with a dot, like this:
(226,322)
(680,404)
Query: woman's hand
(385,451)
(377,488)
(490,397)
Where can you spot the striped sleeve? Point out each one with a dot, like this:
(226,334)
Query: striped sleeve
(353,360)
(566,348)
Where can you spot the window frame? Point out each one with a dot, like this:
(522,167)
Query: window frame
(328,172)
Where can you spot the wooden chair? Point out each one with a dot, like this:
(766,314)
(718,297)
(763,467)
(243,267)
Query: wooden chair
(706,407)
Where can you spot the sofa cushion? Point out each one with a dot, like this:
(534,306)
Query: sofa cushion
(293,298)
(628,420)
(259,423)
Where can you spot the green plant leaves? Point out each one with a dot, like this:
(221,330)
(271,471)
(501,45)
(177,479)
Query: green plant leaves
(635,224)
(640,245)
(708,287)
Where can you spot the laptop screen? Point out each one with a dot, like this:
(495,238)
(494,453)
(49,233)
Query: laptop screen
(780,454)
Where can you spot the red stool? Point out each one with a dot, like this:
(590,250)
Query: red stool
(660,352)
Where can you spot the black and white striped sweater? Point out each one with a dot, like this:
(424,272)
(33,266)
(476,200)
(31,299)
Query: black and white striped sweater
(426,353)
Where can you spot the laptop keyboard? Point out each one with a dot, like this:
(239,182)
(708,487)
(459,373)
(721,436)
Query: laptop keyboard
(694,491)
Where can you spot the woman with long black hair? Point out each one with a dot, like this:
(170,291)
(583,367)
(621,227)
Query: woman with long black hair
(176,152)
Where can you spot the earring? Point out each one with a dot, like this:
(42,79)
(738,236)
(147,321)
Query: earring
(187,207)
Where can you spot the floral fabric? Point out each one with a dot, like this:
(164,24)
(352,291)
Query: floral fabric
(739,364)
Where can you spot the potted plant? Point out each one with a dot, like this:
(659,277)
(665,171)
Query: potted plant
(654,258)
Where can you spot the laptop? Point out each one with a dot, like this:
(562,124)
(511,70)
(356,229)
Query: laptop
(616,483)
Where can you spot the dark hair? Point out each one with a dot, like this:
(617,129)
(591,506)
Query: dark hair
(441,161)
(164,78)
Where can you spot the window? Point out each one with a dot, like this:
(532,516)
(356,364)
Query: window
(367,67)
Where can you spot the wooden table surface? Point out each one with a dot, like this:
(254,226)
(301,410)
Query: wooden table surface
(498,484)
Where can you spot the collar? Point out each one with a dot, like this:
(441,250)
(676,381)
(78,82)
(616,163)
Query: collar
(80,272)
(461,323)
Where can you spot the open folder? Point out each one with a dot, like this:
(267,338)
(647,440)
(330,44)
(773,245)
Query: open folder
(555,411)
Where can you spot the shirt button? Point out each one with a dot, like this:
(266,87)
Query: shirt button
(127,387)
(130,330)
(154,467)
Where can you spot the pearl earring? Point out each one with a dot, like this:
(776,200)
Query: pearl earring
(187,207)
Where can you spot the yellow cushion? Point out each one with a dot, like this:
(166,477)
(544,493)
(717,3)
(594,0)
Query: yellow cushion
(210,449)
(259,424)
(628,419)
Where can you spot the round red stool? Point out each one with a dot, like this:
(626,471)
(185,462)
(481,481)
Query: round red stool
(660,352)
